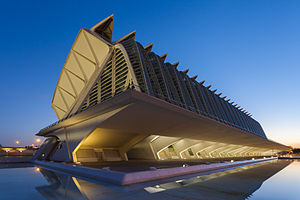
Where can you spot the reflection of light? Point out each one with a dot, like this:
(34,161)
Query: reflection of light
(154,189)
(232,161)
(291,156)
(154,138)
(198,179)
(253,159)
(37,169)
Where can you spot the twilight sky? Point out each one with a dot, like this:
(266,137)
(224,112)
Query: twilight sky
(248,50)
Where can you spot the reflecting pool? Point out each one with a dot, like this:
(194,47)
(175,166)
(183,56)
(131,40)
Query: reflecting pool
(277,179)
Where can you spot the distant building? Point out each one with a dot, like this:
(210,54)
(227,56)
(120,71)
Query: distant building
(17,151)
(118,100)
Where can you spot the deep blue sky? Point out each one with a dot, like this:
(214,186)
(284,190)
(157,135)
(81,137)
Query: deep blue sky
(248,50)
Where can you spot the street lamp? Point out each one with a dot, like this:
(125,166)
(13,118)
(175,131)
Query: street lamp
(7,150)
(21,150)
(17,142)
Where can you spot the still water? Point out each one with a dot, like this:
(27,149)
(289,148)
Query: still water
(270,180)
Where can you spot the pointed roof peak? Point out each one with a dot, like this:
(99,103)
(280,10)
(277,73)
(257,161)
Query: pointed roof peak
(194,77)
(202,82)
(219,94)
(163,57)
(175,64)
(105,28)
(214,90)
(186,71)
(130,35)
(148,47)
(208,86)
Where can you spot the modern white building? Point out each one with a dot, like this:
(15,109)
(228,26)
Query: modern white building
(118,100)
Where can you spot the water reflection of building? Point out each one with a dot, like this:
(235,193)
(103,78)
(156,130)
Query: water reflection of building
(61,187)
(232,184)
(118,100)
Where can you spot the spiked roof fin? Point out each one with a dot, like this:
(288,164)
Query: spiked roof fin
(208,86)
(105,28)
(202,82)
(214,90)
(219,94)
(149,47)
(194,77)
(163,57)
(224,97)
(127,37)
(176,64)
(186,71)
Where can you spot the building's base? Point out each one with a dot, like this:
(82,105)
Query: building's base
(122,178)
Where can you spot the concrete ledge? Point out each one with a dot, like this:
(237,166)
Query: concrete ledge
(121,178)
(96,174)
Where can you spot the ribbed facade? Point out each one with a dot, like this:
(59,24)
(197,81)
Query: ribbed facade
(164,81)
(113,80)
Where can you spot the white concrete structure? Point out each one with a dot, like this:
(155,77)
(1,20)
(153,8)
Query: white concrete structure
(117,100)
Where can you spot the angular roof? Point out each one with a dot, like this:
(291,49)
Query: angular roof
(87,55)
(105,28)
